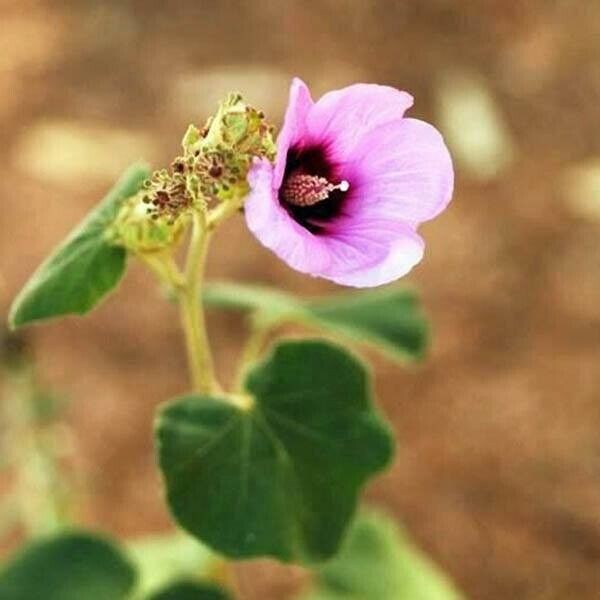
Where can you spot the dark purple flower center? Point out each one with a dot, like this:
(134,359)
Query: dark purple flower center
(311,190)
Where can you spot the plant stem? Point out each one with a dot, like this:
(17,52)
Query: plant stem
(224,211)
(41,509)
(194,326)
(192,312)
(251,352)
(164,267)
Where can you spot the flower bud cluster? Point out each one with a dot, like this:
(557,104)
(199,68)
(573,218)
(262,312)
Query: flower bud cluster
(212,170)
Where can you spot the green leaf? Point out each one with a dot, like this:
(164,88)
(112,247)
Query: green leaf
(187,590)
(388,319)
(379,562)
(244,297)
(84,268)
(159,559)
(69,566)
(278,473)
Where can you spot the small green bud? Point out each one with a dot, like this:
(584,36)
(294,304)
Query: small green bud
(141,231)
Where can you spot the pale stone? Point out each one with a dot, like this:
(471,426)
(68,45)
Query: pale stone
(65,152)
(580,185)
(197,94)
(473,125)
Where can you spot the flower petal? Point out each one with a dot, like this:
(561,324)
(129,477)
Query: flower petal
(404,172)
(402,253)
(342,118)
(274,227)
(294,124)
(357,253)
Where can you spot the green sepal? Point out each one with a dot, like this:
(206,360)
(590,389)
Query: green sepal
(276,472)
(84,268)
(389,319)
(378,561)
(69,566)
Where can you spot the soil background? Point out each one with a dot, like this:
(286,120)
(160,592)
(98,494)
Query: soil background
(497,474)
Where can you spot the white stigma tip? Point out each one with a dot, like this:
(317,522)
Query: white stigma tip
(344,186)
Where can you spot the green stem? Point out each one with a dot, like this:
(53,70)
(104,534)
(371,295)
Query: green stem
(164,267)
(251,352)
(192,314)
(224,211)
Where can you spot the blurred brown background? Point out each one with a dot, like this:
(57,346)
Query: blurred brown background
(498,470)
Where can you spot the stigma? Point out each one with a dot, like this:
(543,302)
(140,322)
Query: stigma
(300,189)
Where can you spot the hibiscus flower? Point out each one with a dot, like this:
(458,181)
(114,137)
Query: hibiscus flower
(352,181)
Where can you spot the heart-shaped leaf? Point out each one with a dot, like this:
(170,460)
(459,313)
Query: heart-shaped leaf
(279,472)
(187,590)
(70,566)
(82,270)
(388,319)
(378,562)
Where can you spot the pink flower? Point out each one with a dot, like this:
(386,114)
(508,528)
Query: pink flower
(352,181)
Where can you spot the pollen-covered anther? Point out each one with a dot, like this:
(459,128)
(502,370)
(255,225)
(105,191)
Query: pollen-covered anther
(301,189)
